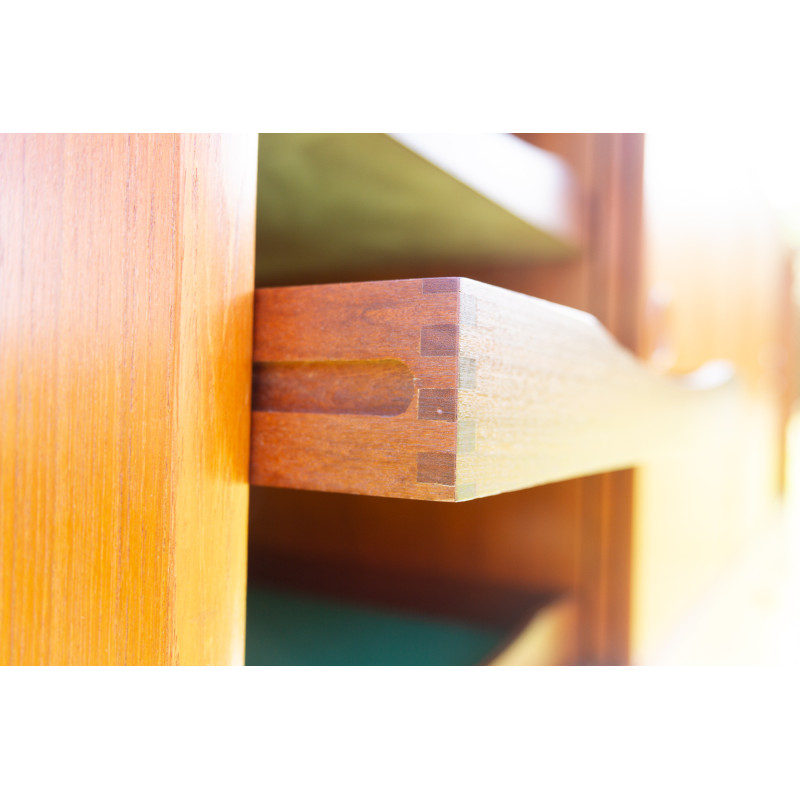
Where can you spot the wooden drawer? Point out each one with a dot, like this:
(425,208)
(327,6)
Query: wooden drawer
(304,611)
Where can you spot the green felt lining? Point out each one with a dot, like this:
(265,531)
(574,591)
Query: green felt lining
(289,629)
(328,201)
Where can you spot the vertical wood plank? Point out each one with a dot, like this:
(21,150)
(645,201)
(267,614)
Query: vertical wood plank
(609,171)
(126,265)
(616,277)
(216,334)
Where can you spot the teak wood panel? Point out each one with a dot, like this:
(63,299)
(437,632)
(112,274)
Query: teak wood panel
(127,267)
(610,170)
(508,392)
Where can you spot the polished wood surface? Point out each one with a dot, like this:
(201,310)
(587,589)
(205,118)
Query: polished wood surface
(126,266)
(611,170)
(545,393)
(451,389)
(400,455)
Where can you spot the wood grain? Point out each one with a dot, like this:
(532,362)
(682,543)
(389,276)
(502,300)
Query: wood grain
(404,455)
(614,177)
(511,392)
(125,340)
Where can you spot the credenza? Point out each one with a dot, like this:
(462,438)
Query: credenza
(223,355)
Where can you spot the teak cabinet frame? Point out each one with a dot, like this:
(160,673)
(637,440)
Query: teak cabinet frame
(126,303)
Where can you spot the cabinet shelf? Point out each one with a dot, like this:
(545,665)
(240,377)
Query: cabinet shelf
(316,614)
(328,201)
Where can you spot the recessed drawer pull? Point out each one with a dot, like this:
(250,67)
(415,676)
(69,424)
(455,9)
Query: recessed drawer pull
(379,387)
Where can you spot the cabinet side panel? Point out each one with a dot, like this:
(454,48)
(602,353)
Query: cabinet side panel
(214,385)
(88,371)
(95,429)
